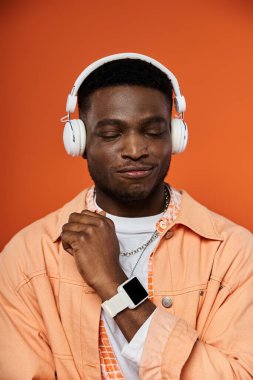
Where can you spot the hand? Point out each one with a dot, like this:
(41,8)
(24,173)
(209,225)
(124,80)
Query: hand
(91,238)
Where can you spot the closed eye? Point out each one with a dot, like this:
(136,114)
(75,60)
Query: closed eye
(155,133)
(155,128)
(109,135)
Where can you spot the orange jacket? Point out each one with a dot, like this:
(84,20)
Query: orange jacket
(49,317)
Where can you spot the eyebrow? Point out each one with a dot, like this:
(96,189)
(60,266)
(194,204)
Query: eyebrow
(114,122)
(153,119)
(118,122)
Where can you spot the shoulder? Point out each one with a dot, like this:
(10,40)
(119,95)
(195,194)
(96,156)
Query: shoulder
(35,248)
(234,259)
(208,223)
(230,230)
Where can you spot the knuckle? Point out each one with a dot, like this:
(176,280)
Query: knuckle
(81,238)
(88,231)
(63,234)
(73,216)
(65,226)
(100,223)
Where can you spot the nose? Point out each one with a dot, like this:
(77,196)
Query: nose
(134,147)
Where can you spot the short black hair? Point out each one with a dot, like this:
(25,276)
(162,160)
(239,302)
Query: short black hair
(124,72)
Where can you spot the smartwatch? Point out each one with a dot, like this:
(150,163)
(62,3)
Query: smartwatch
(130,294)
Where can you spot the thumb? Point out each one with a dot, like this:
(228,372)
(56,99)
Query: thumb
(66,246)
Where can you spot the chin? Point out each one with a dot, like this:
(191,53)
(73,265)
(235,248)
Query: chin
(127,191)
(132,193)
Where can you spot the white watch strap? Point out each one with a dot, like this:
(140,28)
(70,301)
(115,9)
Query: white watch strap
(115,305)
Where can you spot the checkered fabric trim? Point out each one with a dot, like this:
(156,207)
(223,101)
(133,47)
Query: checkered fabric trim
(108,362)
(167,219)
(90,200)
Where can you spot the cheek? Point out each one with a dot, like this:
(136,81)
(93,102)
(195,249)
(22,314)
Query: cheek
(100,161)
(162,151)
(104,153)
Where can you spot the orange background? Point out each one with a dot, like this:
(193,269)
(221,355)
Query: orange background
(46,44)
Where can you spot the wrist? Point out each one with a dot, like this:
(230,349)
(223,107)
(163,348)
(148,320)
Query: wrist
(108,288)
(130,294)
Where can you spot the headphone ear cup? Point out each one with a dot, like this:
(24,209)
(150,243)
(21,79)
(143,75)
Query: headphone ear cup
(74,137)
(179,135)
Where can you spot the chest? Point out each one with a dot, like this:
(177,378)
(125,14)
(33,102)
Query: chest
(180,273)
(182,269)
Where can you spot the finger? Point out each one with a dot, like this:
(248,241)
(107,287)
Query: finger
(93,213)
(83,217)
(70,241)
(66,246)
(75,227)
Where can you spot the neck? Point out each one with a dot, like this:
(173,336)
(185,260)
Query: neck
(152,204)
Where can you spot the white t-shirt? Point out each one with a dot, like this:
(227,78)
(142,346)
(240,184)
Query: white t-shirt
(132,233)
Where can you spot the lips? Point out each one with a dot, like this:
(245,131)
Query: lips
(139,171)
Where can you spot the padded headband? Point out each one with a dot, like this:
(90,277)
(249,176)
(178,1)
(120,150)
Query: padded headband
(179,99)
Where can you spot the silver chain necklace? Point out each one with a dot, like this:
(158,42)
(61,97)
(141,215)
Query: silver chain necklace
(137,262)
(154,235)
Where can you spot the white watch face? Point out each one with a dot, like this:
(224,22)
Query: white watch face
(135,291)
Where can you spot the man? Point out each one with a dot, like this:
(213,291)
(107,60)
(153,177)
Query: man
(173,278)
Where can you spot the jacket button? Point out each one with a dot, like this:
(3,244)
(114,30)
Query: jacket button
(169,235)
(167,302)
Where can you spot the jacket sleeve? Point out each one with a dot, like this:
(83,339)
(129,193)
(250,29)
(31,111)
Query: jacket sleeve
(24,350)
(222,348)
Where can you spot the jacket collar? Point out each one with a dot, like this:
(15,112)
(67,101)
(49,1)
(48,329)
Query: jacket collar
(191,214)
(197,217)
(78,204)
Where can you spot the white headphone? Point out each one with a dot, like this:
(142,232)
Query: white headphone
(74,134)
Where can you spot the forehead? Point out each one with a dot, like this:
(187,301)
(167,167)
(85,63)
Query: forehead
(127,101)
